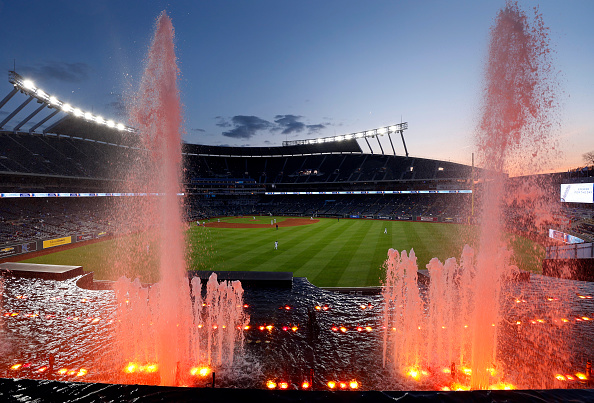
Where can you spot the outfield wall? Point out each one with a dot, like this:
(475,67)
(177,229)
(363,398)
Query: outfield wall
(457,220)
(48,243)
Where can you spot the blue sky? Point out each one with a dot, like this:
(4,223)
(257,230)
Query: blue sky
(261,72)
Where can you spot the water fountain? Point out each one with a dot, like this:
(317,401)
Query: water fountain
(161,322)
(471,328)
(463,330)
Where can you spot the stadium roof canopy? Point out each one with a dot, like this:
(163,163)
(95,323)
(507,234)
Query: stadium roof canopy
(48,115)
(337,147)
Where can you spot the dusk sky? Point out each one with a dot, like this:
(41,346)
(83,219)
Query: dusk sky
(257,73)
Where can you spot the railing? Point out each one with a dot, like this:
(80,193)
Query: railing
(573,251)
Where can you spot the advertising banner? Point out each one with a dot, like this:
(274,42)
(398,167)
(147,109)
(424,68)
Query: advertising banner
(404,217)
(18,249)
(424,218)
(562,236)
(84,237)
(8,251)
(50,243)
(28,247)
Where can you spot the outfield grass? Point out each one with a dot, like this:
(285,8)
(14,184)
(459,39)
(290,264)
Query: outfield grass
(329,253)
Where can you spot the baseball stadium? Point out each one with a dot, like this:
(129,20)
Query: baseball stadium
(134,264)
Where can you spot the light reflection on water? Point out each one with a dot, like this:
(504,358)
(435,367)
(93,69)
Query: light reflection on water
(43,318)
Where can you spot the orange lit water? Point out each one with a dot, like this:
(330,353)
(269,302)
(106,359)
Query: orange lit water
(463,326)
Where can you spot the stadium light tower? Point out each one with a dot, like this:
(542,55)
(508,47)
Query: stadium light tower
(386,130)
(29,88)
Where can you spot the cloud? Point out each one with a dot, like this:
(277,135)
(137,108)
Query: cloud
(59,71)
(245,127)
(222,122)
(198,130)
(315,128)
(292,124)
(289,123)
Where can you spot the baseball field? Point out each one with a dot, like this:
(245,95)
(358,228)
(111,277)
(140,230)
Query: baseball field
(329,252)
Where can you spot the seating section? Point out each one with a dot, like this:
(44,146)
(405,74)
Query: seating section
(223,181)
(84,158)
(23,220)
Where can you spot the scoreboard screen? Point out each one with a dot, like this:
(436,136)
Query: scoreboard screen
(577,192)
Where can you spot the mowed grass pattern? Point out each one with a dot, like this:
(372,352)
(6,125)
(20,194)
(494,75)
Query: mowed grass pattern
(330,253)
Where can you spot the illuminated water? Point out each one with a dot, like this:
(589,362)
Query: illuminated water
(496,333)
(161,322)
(41,318)
(463,328)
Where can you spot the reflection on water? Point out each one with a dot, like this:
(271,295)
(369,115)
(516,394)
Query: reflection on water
(303,335)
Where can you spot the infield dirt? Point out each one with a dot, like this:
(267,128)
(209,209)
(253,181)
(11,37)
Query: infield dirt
(289,222)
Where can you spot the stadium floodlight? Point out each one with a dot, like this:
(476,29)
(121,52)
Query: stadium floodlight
(28,86)
(374,133)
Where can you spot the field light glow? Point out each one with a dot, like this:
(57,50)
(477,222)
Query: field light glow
(28,84)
